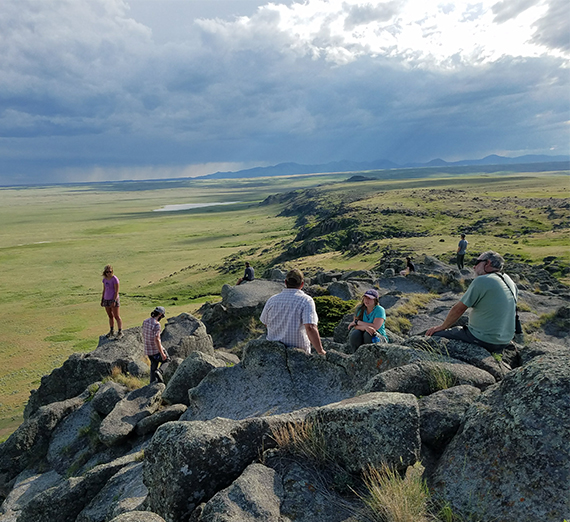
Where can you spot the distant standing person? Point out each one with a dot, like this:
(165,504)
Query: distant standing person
(410,267)
(461,249)
(291,317)
(110,300)
(369,319)
(248,275)
(152,344)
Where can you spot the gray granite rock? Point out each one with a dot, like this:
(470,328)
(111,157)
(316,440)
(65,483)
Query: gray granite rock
(189,374)
(137,405)
(511,458)
(168,414)
(185,334)
(107,396)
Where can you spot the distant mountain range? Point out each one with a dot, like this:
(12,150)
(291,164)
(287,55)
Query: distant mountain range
(288,169)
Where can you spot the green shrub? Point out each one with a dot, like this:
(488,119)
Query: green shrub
(331,310)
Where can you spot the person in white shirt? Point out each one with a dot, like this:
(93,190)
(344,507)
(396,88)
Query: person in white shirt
(291,317)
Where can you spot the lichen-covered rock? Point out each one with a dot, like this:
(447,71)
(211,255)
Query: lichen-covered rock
(107,396)
(138,516)
(30,442)
(123,492)
(66,501)
(426,377)
(441,414)
(470,353)
(371,429)
(188,375)
(188,462)
(27,485)
(264,494)
(137,405)
(511,459)
(185,334)
(168,414)
(83,369)
(271,379)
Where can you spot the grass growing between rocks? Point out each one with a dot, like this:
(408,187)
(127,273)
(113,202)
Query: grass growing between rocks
(393,498)
(386,495)
(130,381)
(397,318)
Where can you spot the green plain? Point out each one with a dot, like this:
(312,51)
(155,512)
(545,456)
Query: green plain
(55,241)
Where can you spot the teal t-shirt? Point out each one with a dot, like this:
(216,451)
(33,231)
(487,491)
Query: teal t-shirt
(377,311)
(493,308)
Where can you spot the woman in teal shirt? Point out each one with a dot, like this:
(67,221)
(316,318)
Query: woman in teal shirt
(368,321)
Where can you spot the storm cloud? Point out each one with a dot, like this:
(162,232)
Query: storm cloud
(89,89)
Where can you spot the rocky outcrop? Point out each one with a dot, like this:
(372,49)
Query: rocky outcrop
(511,458)
(226,439)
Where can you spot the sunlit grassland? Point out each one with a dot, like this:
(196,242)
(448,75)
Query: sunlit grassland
(55,240)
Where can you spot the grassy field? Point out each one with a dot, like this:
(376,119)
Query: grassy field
(55,240)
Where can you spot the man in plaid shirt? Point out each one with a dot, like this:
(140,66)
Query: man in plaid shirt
(291,317)
(152,345)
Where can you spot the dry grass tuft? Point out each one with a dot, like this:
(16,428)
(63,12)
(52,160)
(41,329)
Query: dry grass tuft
(131,382)
(392,498)
(303,439)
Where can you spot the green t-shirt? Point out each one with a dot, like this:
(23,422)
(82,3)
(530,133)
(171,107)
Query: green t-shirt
(493,308)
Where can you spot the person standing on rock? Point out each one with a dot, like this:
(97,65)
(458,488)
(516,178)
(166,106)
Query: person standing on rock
(461,249)
(110,301)
(291,317)
(152,344)
(492,298)
(368,322)
(248,275)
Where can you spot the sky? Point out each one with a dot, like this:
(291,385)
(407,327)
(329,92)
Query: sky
(94,90)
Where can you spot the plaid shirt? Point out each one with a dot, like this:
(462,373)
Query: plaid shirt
(150,331)
(286,315)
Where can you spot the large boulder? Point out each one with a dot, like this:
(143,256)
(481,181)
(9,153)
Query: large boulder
(107,396)
(184,334)
(137,405)
(30,442)
(250,294)
(472,354)
(123,492)
(511,459)
(186,463)
(427,377)
(270,379)
(371,429)
(67,500)
(188,375)
(441,414)
(276,492)
(82,369)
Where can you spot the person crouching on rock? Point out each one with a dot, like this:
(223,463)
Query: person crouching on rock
(369,319)
(410,267)
(152,345)
(110,300)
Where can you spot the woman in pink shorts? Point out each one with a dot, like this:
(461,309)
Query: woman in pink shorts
(110,300)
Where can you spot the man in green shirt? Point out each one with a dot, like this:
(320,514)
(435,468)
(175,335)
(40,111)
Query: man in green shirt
(492,297)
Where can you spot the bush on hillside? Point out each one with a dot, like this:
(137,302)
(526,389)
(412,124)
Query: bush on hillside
(331,310)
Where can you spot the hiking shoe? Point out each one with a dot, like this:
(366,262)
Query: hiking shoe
(158,376)
(110,334)
(119,334)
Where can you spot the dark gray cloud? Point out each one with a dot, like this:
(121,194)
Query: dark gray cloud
(85,87)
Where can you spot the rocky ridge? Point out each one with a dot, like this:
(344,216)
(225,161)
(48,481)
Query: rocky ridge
(202,447)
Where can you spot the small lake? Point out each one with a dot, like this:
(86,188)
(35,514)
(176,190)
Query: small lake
(190,206)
